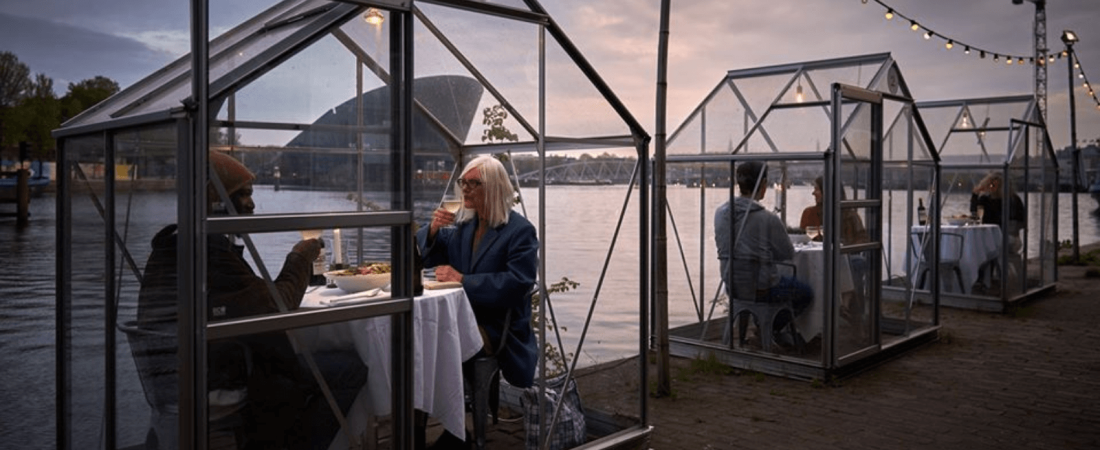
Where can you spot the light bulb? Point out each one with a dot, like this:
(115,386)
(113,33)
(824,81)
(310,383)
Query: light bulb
(1076,65)
(1020,61)
(798,94)
(949,44)
(1008,60)
(983,54)
(1085,85)
(1081,75)
(996,58)
(374,16)
(913,25)
(967,50)
(928,35)
(889,14)
(1050,58)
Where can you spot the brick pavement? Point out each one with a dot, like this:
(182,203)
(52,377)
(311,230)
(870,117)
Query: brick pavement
(1026,379)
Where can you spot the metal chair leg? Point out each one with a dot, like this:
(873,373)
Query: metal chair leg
(485,370)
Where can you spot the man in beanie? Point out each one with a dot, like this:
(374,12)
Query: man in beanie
(283,402)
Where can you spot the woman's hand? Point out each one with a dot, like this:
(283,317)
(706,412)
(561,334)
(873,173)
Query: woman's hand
(447,273)
(440,218)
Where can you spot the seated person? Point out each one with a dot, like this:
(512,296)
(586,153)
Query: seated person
(284,405)
(494,252)
(851,226)
(989,194)
(756,239)
(852,232)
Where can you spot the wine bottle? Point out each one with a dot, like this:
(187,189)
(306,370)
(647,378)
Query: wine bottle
(922,214)
(418,269)
(318,276)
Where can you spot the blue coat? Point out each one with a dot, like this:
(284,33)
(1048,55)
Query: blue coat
(497,279)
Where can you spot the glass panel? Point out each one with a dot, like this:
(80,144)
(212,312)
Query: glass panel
(145,201)
(607,293)
(574,107)
(906,304)
(759,92)
(227,52)
(311,87)
(87,250)
(510,64)
(802,130)
(858,293)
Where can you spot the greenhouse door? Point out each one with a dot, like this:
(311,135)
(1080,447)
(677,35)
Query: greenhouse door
(853,272)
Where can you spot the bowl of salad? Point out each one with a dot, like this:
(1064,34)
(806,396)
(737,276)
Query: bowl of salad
(361,278)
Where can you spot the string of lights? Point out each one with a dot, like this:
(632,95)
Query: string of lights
(1009,59)
(1084,78)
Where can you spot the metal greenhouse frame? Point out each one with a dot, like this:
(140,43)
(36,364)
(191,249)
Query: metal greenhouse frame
(364,125)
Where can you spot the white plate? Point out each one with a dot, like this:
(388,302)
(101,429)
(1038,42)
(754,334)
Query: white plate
(359,283)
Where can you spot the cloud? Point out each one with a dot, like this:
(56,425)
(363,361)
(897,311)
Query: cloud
(69,54)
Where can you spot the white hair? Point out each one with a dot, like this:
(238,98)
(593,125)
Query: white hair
(498,191)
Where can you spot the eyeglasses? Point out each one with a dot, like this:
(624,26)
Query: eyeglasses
(472,183)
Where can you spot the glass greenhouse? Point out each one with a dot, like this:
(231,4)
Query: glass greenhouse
(998,193)
(849,164)
(355,118)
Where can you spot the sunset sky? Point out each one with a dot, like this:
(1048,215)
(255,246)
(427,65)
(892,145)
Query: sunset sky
(129,39)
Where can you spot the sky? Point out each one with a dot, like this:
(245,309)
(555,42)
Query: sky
(126,40)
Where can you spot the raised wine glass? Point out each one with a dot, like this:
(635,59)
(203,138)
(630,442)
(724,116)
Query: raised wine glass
(451,203)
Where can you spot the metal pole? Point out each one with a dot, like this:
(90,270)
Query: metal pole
(1073,149)
(660,253)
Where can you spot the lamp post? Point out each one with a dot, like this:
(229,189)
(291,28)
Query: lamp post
(1070,38)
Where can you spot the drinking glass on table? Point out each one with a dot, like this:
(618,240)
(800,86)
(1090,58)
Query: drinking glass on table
(981,213)
(813,233)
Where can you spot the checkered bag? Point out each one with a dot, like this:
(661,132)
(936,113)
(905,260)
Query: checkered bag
(569,431)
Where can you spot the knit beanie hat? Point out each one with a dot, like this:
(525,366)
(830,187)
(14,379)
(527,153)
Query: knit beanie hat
(231,172)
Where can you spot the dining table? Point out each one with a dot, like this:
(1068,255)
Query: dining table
(981,243)
(445,334)
(809,260)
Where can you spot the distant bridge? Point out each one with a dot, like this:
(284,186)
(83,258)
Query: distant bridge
(588,171)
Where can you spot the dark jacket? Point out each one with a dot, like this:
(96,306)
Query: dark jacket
(234,288)
(278,387)
(499,278)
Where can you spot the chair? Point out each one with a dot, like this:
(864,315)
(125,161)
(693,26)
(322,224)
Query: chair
(483,398)
(154,354)
(951,246)
(745,304)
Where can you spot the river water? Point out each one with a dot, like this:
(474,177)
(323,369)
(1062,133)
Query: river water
(581,224)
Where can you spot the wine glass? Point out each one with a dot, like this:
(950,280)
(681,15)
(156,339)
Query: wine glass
(981,213)
(451,203)
(813,233)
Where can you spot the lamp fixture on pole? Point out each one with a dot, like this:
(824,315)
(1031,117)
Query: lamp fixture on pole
(1070,38)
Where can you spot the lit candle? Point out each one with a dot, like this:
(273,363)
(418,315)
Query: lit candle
(338,248)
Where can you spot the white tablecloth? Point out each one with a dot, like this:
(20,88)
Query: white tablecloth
(981,243)
(444,335)
(810,261)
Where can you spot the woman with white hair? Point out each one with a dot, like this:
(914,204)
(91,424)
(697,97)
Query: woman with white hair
(494,252)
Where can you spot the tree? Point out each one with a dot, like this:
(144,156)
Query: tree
(85,94)
(36,115)
(15,81)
